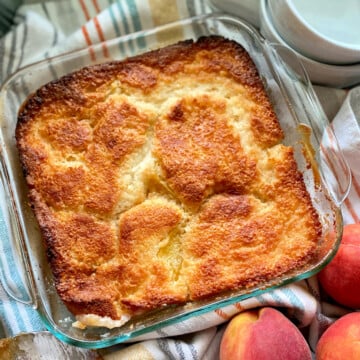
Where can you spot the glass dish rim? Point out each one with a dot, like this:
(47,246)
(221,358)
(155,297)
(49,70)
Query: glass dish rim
(205,309)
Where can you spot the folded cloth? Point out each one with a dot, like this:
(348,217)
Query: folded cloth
(44,29)
(347,129)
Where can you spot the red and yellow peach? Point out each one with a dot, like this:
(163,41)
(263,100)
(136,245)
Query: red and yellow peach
(341,277)
(263,334)
(341,340)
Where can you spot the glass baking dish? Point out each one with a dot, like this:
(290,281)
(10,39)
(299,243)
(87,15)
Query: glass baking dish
(306,128)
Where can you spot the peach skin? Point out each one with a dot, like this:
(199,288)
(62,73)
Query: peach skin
(263,334)
(341,277)
(341,340)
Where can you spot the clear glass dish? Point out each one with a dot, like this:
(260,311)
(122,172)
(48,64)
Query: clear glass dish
(306,128)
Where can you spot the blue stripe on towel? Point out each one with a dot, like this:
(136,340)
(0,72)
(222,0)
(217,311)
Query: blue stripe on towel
(135,17)
(299,309)
(13,319)
(19,317)
(115,24)
(165,348)
(261,300)
(276,297)
(124,21)
(10,268)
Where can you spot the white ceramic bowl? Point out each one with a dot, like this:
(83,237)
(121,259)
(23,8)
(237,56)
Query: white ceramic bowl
(324,30)
(319,73)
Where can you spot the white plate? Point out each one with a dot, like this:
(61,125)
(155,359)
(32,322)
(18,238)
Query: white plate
(319,73)
(323,30)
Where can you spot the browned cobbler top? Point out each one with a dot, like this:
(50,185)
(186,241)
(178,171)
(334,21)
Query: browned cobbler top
(161,179)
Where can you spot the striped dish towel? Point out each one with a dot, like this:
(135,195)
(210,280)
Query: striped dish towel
(44,29)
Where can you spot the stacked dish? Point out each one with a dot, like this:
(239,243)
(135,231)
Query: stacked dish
(322,34)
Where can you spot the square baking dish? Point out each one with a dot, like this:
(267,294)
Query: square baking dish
(306,128)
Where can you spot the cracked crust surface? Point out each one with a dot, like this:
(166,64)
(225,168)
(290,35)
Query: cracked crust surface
(161,179)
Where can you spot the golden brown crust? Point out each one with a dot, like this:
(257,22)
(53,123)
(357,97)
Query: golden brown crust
(161,179)
(218,160)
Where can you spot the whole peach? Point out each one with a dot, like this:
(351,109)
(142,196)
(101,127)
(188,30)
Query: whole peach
(341,340)
(341,277)
(263,334)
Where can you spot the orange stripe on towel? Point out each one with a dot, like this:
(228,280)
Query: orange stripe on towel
(238,307)
(355,185)
(101,36)
(88,41)
(85,10)
(351,210)
(222,314)
(99,29)
(96,6)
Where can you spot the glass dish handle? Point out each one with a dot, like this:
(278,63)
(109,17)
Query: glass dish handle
(334,169)
(15,274)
